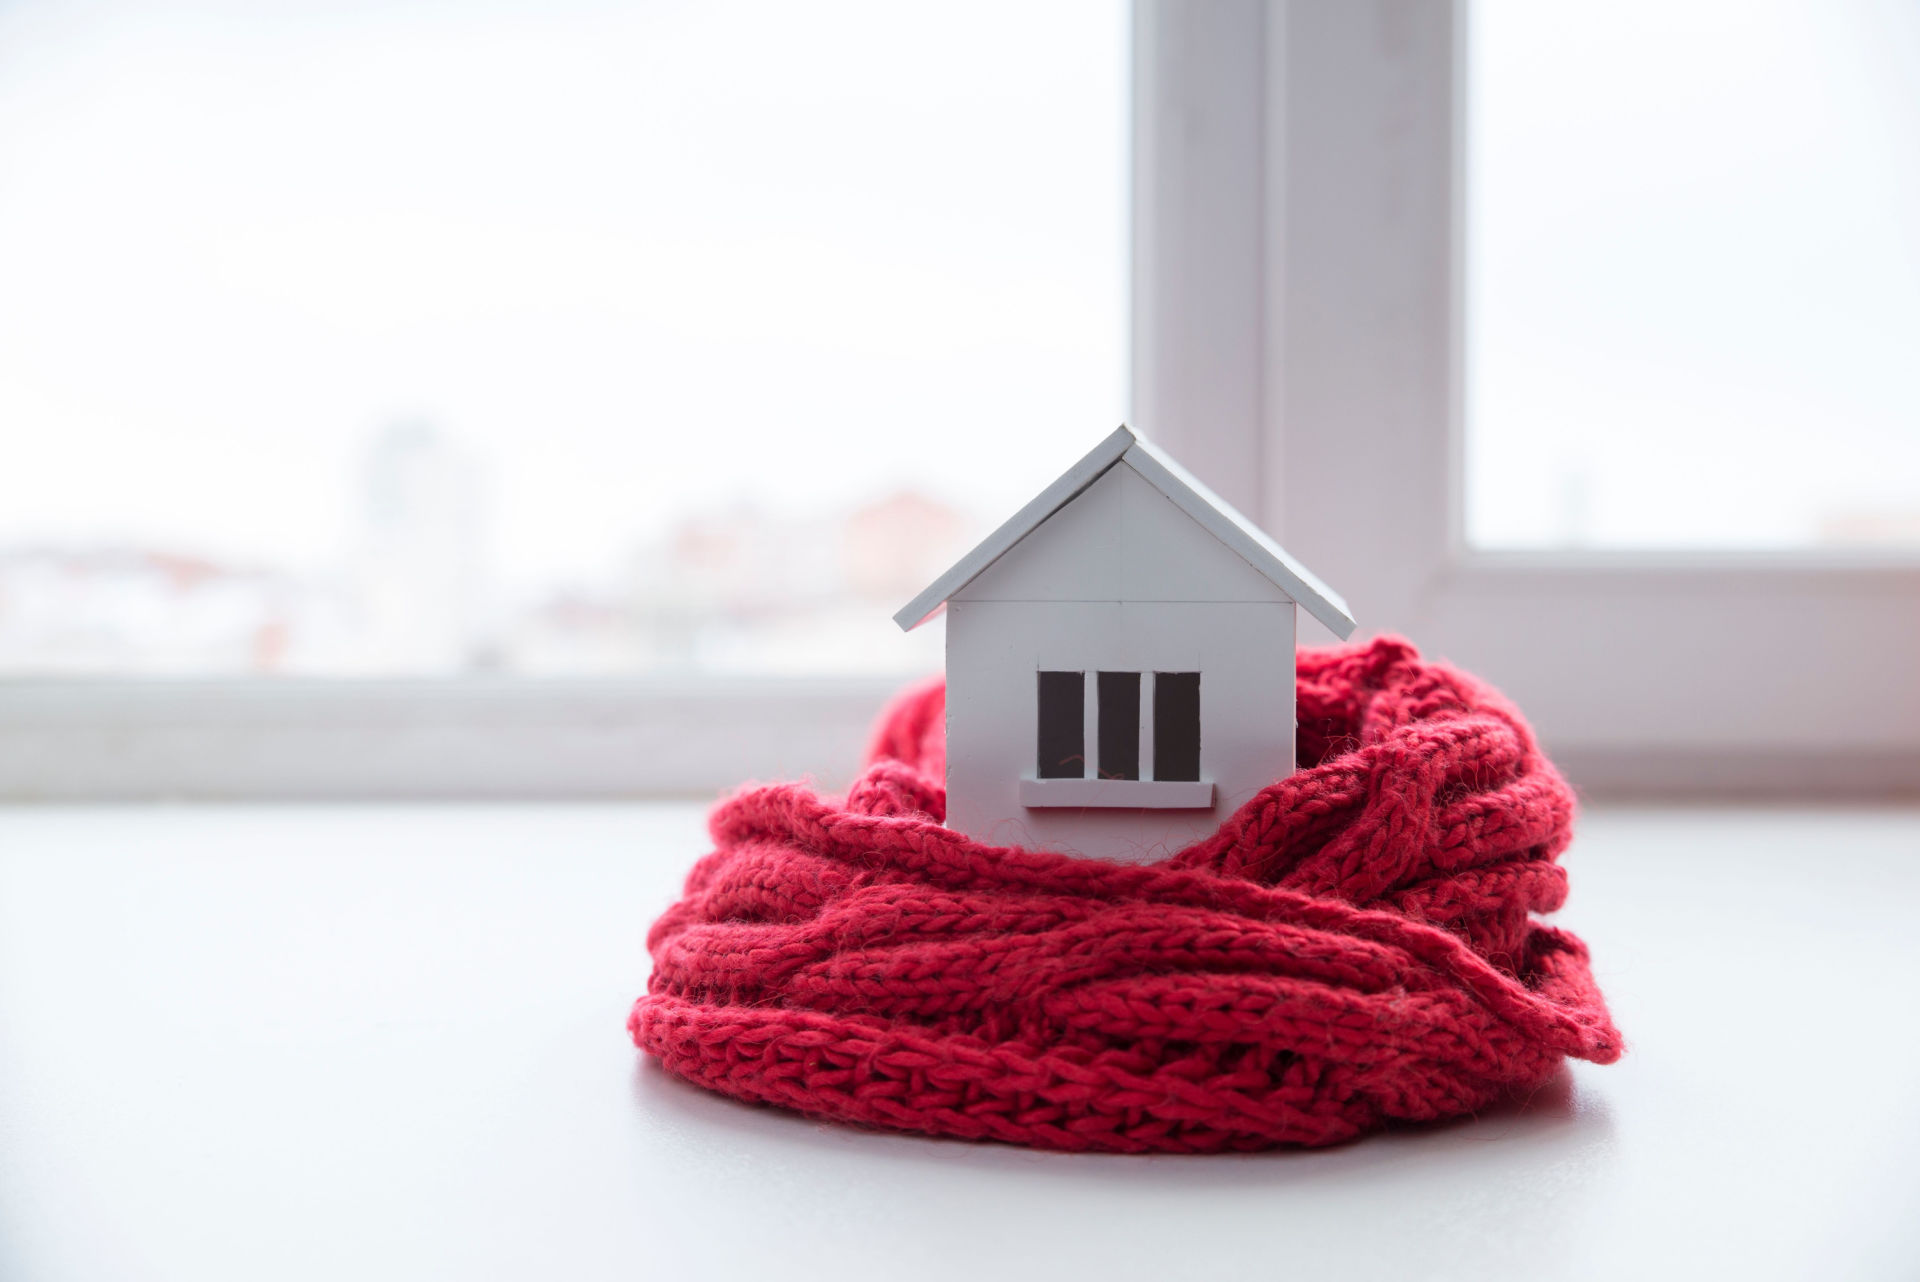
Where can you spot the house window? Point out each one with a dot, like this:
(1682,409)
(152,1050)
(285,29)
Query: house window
(1174,729)
(1176,725)
(1119,725)
(1063,735)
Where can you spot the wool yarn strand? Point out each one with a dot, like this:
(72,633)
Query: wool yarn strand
(1355,947)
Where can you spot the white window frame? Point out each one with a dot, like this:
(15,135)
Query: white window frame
(1322,141)
(1296,342)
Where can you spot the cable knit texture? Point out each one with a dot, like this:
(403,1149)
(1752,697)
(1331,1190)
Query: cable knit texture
(1353,948)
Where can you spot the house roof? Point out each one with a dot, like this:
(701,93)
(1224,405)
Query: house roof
(1213,513)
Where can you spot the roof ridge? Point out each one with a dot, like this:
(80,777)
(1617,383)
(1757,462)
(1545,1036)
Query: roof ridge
(1211,512)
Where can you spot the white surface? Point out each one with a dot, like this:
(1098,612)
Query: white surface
(324,1042)
(1243,651)
(1297,340)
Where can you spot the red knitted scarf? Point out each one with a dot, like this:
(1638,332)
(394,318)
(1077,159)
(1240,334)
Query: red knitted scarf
(1354,947)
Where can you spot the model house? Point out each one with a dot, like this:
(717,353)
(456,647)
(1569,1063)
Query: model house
(1120,669)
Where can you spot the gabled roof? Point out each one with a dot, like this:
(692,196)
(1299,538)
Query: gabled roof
(1212,512)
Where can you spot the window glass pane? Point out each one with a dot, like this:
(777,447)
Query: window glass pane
(1694,274)
(1063,727)
(565,337)
(1119,694)
(1176,725)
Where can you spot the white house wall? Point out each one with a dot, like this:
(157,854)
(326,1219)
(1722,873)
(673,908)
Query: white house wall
(1243,650)
(1120,540)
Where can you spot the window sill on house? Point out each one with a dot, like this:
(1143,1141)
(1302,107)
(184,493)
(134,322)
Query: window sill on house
(1131,794)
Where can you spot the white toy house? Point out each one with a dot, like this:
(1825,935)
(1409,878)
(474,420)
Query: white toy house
(1120,672)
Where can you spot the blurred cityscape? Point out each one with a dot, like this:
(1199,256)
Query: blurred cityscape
(414,592)
(735,590)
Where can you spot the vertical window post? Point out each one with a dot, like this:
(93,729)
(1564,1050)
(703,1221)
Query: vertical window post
(1119,695)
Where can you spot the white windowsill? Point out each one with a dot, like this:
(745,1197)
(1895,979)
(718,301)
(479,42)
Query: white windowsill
(218,738)
(698,736)
(1131,794)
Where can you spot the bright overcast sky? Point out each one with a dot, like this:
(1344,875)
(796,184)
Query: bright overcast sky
(644,258)
(1693,269)
(638,258)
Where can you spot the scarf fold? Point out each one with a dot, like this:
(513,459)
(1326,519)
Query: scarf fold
(1354,947)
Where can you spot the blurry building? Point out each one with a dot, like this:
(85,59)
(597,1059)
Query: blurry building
(128,609)
(417,570)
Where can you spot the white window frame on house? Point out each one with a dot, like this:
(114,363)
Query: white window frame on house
(1297,305)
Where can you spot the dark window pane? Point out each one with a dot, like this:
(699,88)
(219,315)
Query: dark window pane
(1063,735)
(1176,725)
(1119,725)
